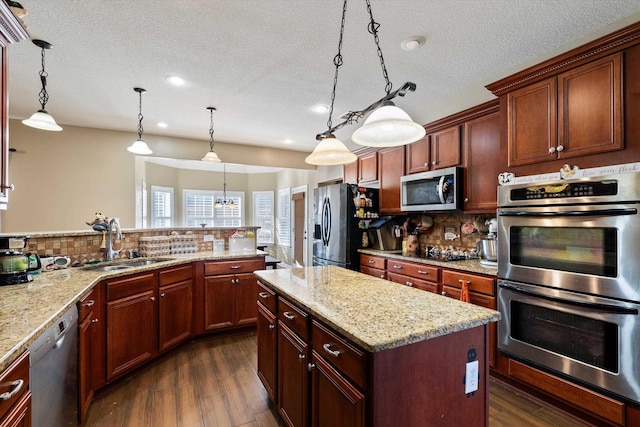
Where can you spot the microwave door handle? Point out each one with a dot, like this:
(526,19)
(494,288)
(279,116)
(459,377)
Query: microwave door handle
(602,212)
(440,188)
(572,301)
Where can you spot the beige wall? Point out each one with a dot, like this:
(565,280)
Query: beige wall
(62,178)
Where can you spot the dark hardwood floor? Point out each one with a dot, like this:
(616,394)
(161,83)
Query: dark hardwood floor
(212,382)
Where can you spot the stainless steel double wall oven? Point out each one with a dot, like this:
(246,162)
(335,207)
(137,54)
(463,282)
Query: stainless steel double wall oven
(569,279)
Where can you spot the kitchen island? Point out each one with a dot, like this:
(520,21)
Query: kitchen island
(384,353)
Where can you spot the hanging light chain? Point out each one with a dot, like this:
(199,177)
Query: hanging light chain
(140,117)
(44,96)
(337,61)
(373,29)
(211,129)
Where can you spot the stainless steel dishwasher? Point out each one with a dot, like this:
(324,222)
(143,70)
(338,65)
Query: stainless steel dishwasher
(54,373)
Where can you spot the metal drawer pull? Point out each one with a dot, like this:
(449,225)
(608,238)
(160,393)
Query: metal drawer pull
(89,303)
(444,293)
(288,315)
(264,295)
(163,295)
(301,357)
(17,385)
(94,320)
(334,353)
(397,267)
(382,276)
(272,326)
(372,261)
(234,267)
(408,283)
(423,272)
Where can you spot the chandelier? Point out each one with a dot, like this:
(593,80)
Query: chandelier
(220,203)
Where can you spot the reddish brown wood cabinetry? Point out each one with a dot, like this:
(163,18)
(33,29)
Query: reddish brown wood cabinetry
(391,168)
(132,322)
(373,266)
(267,351)
(90,349)
(15,408)
(229,299)
(350,173)
(437,150)
(175,308)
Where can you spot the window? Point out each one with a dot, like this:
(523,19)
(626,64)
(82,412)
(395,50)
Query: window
(199,208)
(263,217)
(161,206)
(284,220)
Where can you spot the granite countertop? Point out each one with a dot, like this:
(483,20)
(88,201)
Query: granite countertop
(28,309)
(470,265)
(374,313)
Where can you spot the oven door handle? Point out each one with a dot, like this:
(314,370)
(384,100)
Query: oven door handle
(603,212)
(572,301)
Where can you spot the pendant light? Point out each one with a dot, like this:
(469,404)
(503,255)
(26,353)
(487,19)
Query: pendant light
(211,156)
(330,150)
(139,146)
(224,202)
(388,125)
(41,119)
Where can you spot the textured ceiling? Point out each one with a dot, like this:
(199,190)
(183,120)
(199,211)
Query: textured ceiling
(265,63)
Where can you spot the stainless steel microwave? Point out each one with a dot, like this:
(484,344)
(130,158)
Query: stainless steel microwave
(438,190)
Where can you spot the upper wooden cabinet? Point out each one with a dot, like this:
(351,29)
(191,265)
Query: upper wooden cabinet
(364,170)
(576,113)
(436,150)
(390,169)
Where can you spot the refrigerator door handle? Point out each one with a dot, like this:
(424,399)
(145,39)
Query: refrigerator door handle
(326,221)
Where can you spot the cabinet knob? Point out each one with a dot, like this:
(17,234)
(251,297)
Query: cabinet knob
(444,293)
(301,357)
(408,283)
(272,326)
(162,295)
(94,320)
(552,150)
(466,200)
(433,162)
(426,164)
(310,366)
(89,303)
(152,298)
(263,295)
(382,276)
(560,147)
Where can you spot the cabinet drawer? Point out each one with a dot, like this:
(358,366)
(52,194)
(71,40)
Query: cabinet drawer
(14,379)
(419,271)
(132,285)
(424,285)
(474,297)
(296,319)
(87,304)
(482,284)
(375,272)
(175,275)
(336,350)
(267,297)
(372,261)
(233,267)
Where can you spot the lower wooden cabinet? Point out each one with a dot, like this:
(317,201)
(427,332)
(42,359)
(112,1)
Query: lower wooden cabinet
(175,314)
(373,266)
(229,301)
(267,333)
(15,405)
(20,415)
(90,349)
(293,378)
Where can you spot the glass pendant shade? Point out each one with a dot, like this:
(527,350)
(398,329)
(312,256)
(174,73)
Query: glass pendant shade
(331,151)
(212,157)
(139,147)
(41,119)
(388,126)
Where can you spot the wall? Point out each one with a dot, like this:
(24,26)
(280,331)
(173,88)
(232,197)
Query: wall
(62,178)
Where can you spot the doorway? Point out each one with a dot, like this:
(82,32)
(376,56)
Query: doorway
(299,206)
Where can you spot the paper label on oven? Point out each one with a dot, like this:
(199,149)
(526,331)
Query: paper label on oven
(16,243)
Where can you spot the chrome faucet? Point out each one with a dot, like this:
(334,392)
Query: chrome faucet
(111,253)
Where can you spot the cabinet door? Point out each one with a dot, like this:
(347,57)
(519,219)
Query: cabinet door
(590,108)
(218,302)
(267,351)
(445,148)
(293,378)
(88,355)
(391,165)
(334,401)
(245,310)
(418,156)
(175,311)
(350,173)
(20,415)
(483,161)
(531,127)
(368,167)
(132,332)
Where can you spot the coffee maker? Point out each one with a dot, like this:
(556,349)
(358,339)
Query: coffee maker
(385,234)
(15,265)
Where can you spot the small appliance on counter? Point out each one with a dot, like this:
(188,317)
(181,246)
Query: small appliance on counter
(16,266)
(489,246)
(385,234)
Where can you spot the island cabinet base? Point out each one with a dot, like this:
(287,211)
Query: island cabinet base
(423,384)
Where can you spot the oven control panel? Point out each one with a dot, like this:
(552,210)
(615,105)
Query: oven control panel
(565,190)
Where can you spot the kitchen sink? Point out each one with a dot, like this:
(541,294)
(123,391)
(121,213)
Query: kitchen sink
(125,264)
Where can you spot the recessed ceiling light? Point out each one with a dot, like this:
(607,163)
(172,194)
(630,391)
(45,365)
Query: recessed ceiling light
(412,43)
(288,141)
(162,125)
(320,108)
(175,80)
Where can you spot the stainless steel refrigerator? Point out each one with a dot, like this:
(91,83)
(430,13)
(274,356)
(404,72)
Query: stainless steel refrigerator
(342,213)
